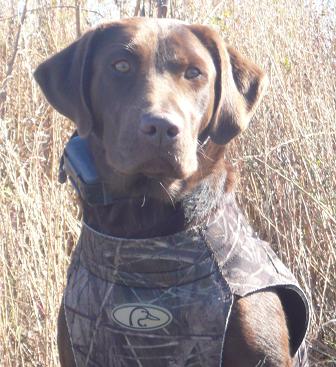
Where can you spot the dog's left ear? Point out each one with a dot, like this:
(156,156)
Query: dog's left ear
(239,87)
(64,80)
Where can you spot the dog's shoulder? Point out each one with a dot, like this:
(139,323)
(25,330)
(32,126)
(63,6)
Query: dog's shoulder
(263,343)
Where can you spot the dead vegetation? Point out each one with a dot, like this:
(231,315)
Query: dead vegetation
(286,160)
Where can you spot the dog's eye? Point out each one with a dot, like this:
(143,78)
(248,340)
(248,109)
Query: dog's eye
(122,66)
(192,73)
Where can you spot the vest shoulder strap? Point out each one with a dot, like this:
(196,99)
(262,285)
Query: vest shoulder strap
(249,265)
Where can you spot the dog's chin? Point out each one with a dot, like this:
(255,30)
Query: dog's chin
(169,173)
(158,169)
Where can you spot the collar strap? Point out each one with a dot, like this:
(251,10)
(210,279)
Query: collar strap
(77,164)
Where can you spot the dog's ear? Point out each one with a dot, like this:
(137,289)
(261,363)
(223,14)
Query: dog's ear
(239,87)
(64,79)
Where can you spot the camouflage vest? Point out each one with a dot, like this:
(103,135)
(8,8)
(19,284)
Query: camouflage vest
(166,301)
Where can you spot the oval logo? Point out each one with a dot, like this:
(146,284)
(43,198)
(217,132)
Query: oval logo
(137,316)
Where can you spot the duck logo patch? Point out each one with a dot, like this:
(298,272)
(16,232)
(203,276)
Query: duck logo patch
(137,316)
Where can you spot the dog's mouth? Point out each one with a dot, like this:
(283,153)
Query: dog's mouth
(161,168)
(176,162)
(158,168)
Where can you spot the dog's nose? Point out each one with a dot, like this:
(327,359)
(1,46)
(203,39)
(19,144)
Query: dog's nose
(158,130)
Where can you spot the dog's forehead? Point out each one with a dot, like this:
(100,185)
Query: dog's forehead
(164,39)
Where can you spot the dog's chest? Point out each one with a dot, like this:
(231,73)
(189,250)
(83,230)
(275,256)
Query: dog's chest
(146,302)
(166,302)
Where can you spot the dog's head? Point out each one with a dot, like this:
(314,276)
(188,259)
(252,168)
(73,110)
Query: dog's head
(151,92)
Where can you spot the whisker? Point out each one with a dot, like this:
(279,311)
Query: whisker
(170,197)
(200,149)
(143,201)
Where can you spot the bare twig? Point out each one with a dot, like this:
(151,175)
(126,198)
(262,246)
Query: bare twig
(78,20)
(137,8)
(10,65)
(162,8)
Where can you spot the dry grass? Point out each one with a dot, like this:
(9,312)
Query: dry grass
(286,160)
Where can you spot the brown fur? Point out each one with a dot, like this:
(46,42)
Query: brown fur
(144,128)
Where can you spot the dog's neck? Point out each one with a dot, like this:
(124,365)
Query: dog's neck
(131,218)
(146,217)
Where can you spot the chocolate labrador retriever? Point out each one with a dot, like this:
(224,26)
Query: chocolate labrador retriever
(157,101)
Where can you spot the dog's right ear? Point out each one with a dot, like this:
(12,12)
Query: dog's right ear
(239,87)
(64,79)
